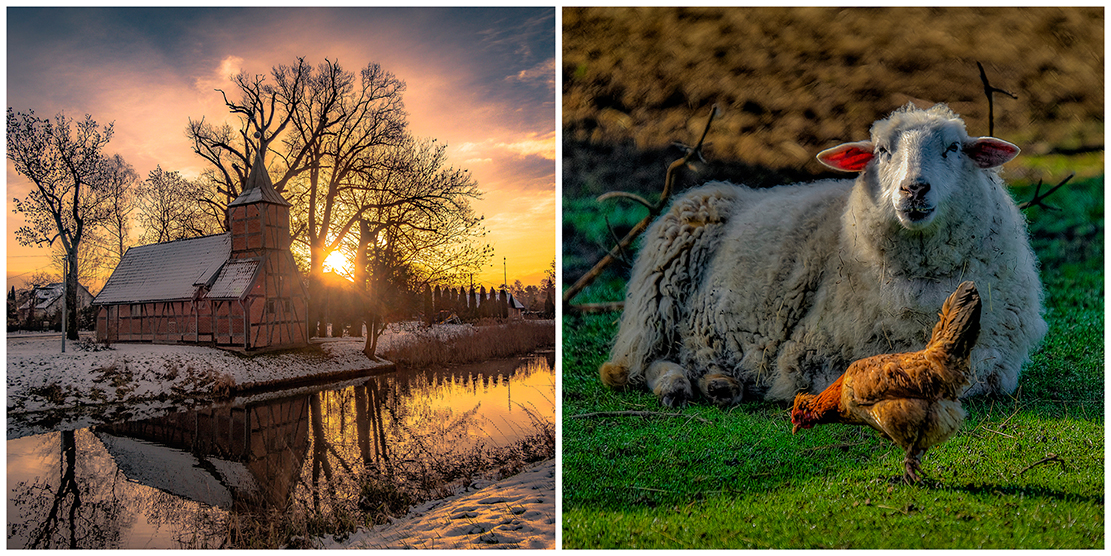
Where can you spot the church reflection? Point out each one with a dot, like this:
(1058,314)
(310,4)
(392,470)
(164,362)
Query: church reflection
(265,453)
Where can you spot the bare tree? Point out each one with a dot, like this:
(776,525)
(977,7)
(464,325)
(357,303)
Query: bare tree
(346,128)
(418,227)
(64,160)
(264,110)
(168,210)
(119,182)
(335,125)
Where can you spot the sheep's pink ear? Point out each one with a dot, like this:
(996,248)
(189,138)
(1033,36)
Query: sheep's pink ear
(989,152)
(849,157)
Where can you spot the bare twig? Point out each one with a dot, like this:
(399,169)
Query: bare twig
(598,267)
(988,90)
(606,307)
(653,211)
(650,489)
(613,234)
(997,432)
(1039,198)
(633,414)
(625,195)
(1046,459)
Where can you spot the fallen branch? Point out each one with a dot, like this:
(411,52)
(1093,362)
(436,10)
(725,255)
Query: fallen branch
(653,211)
(605,307)
(1047,459)
(633,414)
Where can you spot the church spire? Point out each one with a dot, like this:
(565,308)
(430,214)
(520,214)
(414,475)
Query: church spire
(259,188)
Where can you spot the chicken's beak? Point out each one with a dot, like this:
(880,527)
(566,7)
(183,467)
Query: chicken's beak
(795,428)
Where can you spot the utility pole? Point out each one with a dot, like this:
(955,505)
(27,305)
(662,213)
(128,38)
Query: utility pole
(504,280)
(65,287)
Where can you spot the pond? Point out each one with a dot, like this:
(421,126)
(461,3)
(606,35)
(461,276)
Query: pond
(311,461)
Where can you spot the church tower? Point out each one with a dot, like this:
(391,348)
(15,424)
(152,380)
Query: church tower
(259,218)
(258,226)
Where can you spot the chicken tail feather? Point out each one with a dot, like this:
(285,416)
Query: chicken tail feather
(959,327)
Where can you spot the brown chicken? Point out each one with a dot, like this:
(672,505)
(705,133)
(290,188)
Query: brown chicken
(911,398)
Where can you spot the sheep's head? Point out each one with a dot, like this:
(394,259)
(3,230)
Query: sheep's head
(919,158)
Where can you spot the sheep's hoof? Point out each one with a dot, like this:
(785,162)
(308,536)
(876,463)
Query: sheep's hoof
(720,389)
(613,375)
(675,399)
(674,392)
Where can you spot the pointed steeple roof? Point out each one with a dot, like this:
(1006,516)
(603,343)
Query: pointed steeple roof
(259,188)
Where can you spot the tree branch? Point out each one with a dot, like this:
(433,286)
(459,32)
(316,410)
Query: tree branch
(653,211)
(988,91)
(1038,199)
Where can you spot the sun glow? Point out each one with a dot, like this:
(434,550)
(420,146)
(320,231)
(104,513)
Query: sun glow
(337,262)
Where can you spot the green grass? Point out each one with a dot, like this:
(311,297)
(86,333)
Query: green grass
(742,480)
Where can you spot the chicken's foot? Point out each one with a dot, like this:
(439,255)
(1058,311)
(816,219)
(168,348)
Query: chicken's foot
(912,465)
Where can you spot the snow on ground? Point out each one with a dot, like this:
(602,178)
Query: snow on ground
(517,512)
(41,377)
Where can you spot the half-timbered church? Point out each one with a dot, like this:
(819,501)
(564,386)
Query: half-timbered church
(238,290)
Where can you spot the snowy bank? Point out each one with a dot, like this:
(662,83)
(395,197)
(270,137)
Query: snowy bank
(51,390)
(517,512)
(41,378)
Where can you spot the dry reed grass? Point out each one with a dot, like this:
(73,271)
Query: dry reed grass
(487,342)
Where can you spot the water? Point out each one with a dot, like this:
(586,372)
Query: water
(173,481)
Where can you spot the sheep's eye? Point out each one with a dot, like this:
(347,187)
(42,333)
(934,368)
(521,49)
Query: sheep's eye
(952,149)
(882,151)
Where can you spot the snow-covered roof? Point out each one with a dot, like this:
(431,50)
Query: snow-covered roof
(45,296)
(513,303)
(166,271)
(234,280)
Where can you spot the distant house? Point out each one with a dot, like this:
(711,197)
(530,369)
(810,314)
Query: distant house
(516,309)
(237,290)
(45,302)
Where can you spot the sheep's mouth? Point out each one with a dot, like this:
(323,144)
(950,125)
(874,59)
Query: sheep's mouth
(914,216)
(919,214)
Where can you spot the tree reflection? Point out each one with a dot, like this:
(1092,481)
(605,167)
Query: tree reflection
(73,512)
(289,466)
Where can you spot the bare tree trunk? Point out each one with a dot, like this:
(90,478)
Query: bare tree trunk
(365,284)
(71,295)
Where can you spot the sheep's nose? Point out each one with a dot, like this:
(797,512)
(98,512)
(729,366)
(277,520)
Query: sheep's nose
(915,189)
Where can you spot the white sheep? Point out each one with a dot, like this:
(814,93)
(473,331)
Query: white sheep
(776,290)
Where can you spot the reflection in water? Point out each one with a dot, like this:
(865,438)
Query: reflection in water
(170,481)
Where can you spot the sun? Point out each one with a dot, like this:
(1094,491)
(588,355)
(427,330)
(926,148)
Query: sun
(337,262)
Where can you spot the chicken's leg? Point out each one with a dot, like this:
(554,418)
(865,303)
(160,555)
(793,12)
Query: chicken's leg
(912,464)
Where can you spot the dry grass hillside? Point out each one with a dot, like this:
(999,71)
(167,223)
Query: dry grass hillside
(793,81)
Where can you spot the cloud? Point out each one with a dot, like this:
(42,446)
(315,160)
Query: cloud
(218,78)
(541,145)
(533,144)
(544,72)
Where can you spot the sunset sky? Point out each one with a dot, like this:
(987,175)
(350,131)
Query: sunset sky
(481,80)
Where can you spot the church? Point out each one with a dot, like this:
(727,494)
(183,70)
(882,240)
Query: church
(239,290)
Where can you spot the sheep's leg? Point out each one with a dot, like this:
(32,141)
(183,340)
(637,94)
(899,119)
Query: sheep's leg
(677,248)
(614,375)
(720,389)
(669,382)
